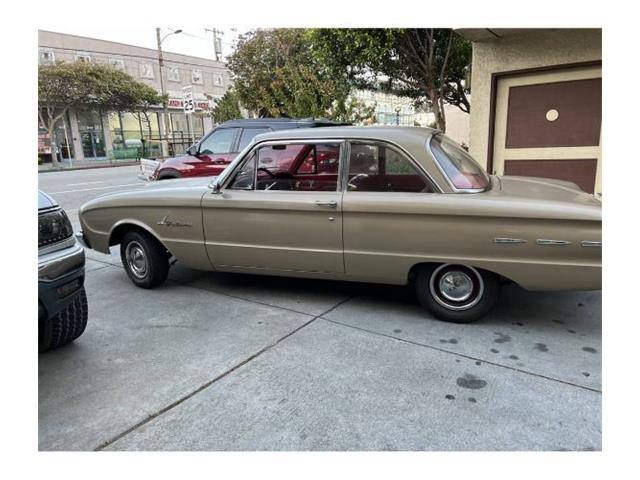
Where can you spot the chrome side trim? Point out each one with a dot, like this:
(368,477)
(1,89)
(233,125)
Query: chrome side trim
(591,243)
(508,240)
(544,241)
(168,222)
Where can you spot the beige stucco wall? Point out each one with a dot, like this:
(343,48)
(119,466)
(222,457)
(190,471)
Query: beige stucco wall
(520,51)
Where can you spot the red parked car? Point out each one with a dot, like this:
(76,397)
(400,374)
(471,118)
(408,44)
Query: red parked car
(211,155)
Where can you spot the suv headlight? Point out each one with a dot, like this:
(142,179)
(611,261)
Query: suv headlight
(53,227)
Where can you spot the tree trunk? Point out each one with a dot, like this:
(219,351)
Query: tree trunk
(437,107)
(54,145)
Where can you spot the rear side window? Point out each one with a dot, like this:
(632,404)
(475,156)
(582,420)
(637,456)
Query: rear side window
(248,134)
(376,167)
(461,169)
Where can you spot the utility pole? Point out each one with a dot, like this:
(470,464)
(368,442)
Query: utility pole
(165,113)
(217,43)
(167,124)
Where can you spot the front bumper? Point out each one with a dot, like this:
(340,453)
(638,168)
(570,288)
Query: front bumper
(60,279)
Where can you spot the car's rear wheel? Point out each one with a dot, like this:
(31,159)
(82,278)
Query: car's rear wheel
(64,327)
(145,259)
(456,293)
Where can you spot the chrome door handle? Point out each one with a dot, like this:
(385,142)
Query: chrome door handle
(331,203)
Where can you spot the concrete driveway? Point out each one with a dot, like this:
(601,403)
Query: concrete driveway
(216,361)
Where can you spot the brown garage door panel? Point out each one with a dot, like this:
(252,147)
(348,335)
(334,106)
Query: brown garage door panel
(579,105)
(582,172)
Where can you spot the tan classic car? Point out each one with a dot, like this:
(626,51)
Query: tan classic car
(388,205)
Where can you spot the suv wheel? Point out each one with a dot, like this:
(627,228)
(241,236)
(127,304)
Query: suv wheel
(64,327)
(145,259)
(457,293)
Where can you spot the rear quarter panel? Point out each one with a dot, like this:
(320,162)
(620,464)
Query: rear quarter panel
(385,235)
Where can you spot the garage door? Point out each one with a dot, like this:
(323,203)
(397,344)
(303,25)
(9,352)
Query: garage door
(548,125)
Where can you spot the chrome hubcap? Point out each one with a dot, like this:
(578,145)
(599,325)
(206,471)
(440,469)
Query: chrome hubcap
(136,259)
(456,286)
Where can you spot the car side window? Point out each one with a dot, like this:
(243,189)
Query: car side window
(248,134)
(294,167)
(245,176)
(298,167)
(377,167)
(220,141)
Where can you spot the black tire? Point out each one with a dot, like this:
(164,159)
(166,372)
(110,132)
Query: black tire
(151,268)
(168,175)
(436,290)
(66,326)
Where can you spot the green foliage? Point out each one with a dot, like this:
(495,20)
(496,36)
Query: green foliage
(92,87)
(227,107)
(428,65)
(276,74)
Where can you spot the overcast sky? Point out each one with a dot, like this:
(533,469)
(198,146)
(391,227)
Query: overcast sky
(193,41)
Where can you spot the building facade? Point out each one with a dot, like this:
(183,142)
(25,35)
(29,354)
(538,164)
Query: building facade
(537,103)
(93,136)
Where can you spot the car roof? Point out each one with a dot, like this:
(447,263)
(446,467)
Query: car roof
(281,123)
(395,134)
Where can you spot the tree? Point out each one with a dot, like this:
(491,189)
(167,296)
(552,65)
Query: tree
(227,107)
(64,86)
(426,64)
(277,75)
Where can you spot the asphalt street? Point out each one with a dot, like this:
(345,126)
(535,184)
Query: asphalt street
(215,361)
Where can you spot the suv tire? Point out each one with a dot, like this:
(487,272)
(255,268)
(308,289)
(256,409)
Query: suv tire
(64,327)
(145,259)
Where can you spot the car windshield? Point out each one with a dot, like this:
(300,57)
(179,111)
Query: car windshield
(463,171)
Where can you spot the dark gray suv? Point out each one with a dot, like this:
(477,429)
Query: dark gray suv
(62,301)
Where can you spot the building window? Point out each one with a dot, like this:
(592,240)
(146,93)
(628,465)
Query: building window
(47,57)
(196,76)
(173,74)
(82,57)
(217,80)
(117,63)
(146,71)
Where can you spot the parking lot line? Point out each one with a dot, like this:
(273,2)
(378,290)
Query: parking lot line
(139,184)
(85,183)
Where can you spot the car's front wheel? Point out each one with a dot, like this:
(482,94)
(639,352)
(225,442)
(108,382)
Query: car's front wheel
(145,259)
(65,326)
(456,293)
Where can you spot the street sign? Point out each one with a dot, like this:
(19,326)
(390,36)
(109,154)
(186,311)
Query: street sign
(187,99)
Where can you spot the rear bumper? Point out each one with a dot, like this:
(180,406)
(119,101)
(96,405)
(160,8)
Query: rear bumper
(60,279)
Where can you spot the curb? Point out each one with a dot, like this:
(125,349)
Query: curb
(88,167)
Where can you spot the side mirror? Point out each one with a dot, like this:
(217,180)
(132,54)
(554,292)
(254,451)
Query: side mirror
(215,187)
(193,150)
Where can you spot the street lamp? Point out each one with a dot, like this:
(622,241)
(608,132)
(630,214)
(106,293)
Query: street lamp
(161,63)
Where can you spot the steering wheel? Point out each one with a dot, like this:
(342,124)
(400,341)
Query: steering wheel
(265,170)
(354,178)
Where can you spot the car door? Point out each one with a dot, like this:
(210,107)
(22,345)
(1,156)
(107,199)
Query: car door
(385,208)
(216,150)
(276,213)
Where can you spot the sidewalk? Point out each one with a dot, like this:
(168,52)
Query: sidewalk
(48,167)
